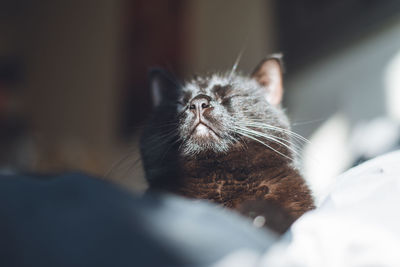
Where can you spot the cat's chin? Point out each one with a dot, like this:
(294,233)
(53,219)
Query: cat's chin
(201,145)
(204,133)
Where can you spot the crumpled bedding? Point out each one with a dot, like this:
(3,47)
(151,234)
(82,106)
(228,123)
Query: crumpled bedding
(358,224)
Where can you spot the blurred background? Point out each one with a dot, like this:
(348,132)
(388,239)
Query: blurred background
(73,75)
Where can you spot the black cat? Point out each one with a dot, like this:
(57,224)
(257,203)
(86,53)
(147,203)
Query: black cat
(225,138)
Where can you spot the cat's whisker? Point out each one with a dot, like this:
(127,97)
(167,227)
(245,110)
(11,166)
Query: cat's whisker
(158,146)
(181,144)
(235,65)
(289,132)
(165,125)
(263,125)
(307,122)
(156,125)
(260,134)
(241,141)
(169,147)
(177,82)
(131,167)
(238,58)
(263,143)
(154,143)
(117,164)
(164,137)
(290,145)
(160,139)
(296,146)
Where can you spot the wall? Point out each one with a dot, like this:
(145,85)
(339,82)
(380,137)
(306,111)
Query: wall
(221,28)
(71,53)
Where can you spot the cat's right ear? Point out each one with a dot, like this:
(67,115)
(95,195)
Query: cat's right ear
(163,86)
(269,75)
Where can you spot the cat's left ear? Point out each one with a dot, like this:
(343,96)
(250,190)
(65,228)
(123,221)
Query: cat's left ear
(164,87)
(268,74)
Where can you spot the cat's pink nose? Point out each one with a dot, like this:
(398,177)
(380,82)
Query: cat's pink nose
(200,103)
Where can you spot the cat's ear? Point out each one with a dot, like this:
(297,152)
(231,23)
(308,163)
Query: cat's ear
(163,86)
(268,74)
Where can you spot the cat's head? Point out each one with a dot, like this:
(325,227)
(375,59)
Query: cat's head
(215,113)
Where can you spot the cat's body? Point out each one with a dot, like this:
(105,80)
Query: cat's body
(224,138)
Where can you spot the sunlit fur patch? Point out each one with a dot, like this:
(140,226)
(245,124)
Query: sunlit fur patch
(236,101)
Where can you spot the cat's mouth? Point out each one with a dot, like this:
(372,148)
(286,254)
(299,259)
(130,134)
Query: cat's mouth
(203,130)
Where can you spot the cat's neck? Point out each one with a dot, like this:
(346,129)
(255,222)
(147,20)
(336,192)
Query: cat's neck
(226,177)
(244,175)
(239,164)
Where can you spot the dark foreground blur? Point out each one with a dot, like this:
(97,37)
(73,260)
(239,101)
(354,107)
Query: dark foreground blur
(76,220)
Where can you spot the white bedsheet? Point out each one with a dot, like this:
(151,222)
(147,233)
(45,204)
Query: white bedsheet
(358,224)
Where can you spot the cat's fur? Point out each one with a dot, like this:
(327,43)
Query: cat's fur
(225,138)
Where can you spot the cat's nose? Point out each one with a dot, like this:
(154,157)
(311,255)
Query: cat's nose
(200,103)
